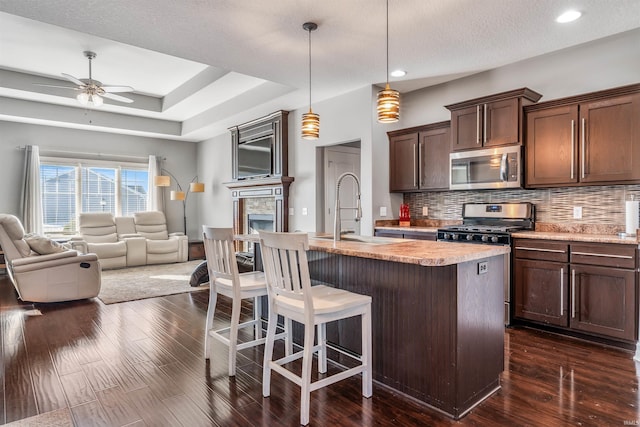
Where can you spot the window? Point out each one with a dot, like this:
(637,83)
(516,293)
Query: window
(70,187)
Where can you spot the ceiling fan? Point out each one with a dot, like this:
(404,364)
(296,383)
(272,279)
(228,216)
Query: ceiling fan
(92,91)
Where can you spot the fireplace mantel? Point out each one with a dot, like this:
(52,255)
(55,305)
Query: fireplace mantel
(275,186)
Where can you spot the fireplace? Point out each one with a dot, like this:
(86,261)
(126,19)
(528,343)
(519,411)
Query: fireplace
(256,222)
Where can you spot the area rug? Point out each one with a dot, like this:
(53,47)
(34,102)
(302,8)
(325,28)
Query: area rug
(58,418)
(148,281)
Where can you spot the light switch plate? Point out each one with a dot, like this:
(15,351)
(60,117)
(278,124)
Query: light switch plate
(292,211)
(425,211)
(383,211)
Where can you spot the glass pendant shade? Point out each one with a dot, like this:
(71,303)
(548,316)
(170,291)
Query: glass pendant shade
(161,181)
(85,98)
(177,195)
(196,187)
(310,125)
(388,105)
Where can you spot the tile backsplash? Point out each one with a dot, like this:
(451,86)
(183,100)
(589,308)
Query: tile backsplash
(603,205)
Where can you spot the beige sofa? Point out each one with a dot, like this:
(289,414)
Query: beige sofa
(43,271)
(130,241)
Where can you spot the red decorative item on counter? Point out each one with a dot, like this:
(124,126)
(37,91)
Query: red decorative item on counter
(405,217)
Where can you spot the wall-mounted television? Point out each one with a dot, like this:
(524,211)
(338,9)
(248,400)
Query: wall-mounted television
(255,157)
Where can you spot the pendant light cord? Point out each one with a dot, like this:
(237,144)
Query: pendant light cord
(309,31)
(387,79)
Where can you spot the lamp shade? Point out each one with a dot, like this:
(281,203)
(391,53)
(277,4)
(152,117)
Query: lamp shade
(161,181)
(388,105)
(177,195)
(310,125)
(196,187)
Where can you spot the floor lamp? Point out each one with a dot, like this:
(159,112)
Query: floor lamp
(179,194)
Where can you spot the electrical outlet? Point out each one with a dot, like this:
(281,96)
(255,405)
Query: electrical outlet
(383,211)
(425,211)
(292,211)
(483,267)
(577,212)
(304,211)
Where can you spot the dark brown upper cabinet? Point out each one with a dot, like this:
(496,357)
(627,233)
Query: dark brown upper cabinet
(419,158)
(489,121)
(584,140)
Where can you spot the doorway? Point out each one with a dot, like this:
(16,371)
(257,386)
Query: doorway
(339,159)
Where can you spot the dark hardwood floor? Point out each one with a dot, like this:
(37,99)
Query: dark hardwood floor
(140,363)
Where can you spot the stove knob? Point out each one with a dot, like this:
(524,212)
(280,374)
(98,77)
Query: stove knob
(469,236)
(485,238)
(445,236)
(494,239)
(454,236)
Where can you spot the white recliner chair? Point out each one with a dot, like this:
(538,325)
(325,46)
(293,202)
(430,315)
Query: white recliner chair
(162,247)
(99,236)
(42,271)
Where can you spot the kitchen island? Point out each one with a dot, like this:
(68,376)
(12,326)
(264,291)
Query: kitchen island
(438,329)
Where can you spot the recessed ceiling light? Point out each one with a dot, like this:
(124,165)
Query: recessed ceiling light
(568,16)
(398,73)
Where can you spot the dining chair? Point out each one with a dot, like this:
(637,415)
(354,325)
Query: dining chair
(224,279)
(292,296)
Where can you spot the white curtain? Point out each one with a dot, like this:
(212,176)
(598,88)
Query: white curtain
(31,202)
(155,193)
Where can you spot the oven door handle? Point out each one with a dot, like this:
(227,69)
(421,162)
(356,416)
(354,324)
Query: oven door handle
(503,167)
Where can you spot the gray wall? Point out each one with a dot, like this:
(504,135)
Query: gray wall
(180,161)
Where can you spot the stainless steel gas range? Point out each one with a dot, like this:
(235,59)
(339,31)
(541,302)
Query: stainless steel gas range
(492,224)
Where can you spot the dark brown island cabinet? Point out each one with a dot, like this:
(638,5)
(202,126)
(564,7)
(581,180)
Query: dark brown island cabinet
(577,287)
(419,158)
(489,121)
(584,140)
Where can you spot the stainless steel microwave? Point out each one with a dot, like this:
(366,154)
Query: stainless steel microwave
(486,168)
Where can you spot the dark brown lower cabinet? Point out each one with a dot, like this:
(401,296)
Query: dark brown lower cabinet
(603,301)
(587,288)
(541,294)
(404,234)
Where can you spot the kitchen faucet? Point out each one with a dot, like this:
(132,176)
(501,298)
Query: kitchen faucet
(337,220)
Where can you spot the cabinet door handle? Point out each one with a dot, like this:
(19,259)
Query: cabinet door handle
(561,291)
(573,293)
(573,135)
(477,124)
(415,177)
(602,255)
(583,138)
(420,163)
(484,126)
(524,248)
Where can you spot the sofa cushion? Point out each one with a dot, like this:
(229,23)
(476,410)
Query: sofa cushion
(108,250)
(151,225)
(162,246)
(98,227)
(43,245)
(125,225)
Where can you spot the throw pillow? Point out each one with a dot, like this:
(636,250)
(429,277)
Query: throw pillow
(43,245)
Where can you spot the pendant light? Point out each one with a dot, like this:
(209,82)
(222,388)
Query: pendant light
(388,99)
(310,120)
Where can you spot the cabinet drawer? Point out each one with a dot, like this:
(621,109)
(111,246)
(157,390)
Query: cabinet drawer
(607,255)
(541,250)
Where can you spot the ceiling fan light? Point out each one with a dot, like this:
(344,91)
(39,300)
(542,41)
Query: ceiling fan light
(83,98)
(96,100)
(388,105)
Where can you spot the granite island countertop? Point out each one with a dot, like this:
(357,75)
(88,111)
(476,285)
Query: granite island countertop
(420,252)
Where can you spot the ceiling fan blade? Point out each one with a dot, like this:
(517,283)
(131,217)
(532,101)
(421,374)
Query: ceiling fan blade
(61,87)
(73,79)
(117,97)
(112,89)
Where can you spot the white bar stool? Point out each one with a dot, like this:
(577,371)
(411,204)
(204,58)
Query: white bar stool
(292,296)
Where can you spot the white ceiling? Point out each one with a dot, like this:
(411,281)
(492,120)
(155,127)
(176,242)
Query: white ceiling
(200,66)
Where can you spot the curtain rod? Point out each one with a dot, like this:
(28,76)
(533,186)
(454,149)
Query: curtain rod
(81,153)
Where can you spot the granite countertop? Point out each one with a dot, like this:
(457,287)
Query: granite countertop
(420,252)
(575,237)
